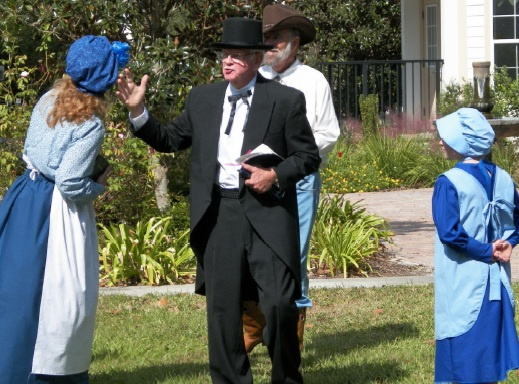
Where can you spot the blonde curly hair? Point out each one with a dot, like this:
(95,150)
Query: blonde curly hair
(74,106)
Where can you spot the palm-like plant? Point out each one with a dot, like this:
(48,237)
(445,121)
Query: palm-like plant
(344,235)
(146,253)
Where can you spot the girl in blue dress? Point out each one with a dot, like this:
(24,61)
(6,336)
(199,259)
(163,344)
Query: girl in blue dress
(49,261)
(476,214)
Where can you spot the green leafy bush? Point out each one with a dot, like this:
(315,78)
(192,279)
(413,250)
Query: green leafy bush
(130,196)
(369,114)
(347,172)
(13,126)
(504,154)
(344,235)
(144,254)
(16,94)
(395,156)
(431,164)
(453,97)
(376,163)
(505,94)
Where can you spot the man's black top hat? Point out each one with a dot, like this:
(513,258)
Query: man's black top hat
(241,32)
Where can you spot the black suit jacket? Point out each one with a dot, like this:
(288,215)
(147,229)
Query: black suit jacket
(277,118)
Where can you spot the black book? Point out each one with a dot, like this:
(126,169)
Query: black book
(263,157)
(100,166)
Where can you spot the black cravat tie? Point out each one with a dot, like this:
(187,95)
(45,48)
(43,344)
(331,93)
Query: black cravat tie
(233,99)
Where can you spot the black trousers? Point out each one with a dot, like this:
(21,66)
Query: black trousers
(235,260)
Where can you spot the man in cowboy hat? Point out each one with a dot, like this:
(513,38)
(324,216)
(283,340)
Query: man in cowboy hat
(287,30)
(245,239)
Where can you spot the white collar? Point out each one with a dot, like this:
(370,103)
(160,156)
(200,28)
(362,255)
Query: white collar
(269,72)
(231,90)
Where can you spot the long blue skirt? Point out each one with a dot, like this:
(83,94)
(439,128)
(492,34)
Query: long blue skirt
(484,354)
(49,268)
(24,228)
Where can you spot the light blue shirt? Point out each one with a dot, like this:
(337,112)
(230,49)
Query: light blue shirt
(65,153)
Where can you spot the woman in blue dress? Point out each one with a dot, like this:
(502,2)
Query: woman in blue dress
(49,261)
(476,214)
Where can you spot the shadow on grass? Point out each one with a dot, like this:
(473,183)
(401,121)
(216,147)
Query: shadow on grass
(327,356)
(153,374)
(328,359)
(356,374)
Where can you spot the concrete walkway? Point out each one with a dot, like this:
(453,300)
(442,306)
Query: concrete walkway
(410,217)
(408,213)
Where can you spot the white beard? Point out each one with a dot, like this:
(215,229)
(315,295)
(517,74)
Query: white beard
(279,57)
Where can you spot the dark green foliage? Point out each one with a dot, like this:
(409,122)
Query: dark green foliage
(505,95)
(130,196)
(369,114)
(355,29)
(13,123)
(453,97)
(170,40)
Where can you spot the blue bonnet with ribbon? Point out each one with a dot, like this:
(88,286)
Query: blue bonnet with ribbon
(93,63)
(467,131)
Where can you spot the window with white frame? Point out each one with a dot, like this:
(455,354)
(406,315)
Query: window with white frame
(506,35)
(431,32)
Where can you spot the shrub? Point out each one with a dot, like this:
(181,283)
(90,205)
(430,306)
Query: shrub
(130,196)
(504,154)
(453,97)
(375,163)
(13,126)
(430,165)
(369,114)
(505,95)
(344,235)
(395,156)
(146,253)
(16,93)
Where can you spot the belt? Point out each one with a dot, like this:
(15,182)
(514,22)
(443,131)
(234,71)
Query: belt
(229,193)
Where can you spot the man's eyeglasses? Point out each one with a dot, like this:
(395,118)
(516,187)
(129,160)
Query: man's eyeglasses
(235,56)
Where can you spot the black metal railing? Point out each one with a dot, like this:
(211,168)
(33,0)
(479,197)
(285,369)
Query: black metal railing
(409,87)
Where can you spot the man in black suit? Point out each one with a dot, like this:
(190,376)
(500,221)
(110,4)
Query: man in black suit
(245,238)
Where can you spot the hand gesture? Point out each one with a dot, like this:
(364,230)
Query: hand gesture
(131,94)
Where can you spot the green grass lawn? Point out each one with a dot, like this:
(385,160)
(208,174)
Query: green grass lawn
(354,335)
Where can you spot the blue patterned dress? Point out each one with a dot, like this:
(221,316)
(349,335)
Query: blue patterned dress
(49,262)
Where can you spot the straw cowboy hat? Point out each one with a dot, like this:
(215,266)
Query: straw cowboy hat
(279,16)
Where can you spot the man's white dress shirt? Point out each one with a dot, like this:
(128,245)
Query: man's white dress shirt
(319,105)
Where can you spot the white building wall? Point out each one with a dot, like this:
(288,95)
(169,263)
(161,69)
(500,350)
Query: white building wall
(466,37)
(412,49)
(412,37)
(453,31)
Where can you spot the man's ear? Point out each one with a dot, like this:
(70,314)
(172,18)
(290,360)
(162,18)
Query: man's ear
(296,41)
